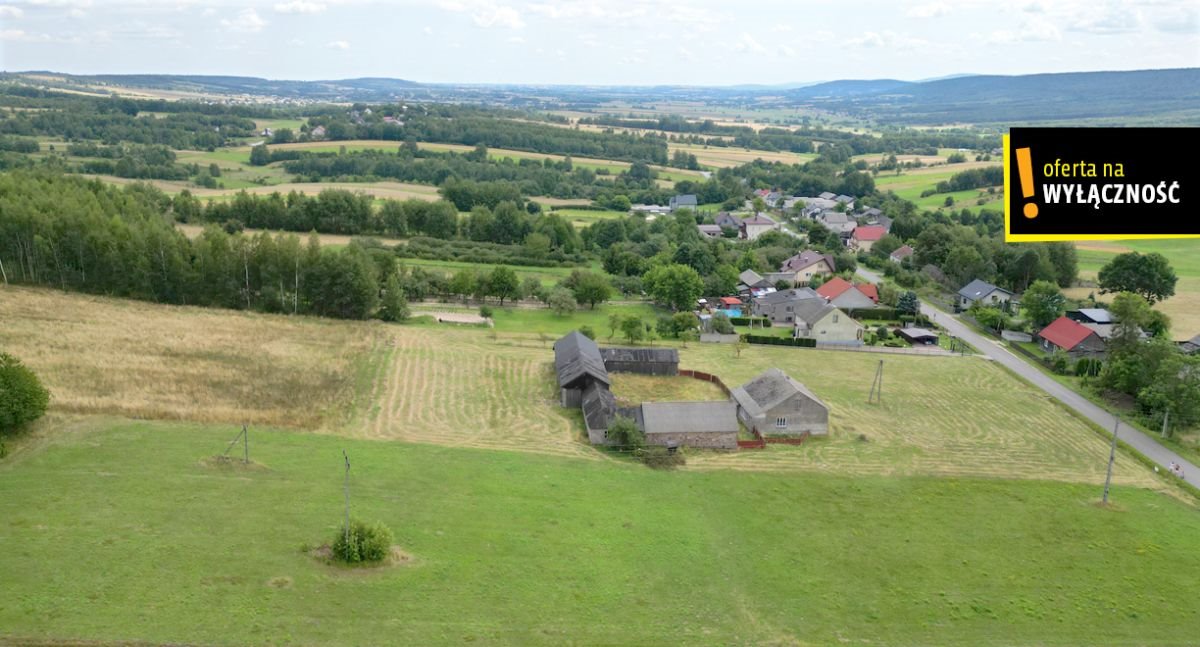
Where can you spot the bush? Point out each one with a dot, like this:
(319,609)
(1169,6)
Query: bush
(485,312)
(23,399)
(588,331)
(660,458)
(365,543)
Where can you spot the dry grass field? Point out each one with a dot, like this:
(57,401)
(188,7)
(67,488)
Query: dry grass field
(334,240)
(632,389)
(946,416)
(460,388)
(1184,256)
(140,360)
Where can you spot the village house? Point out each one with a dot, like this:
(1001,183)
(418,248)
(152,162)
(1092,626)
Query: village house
(317,133)
(1098,319)
(827,324)
(901,253)
(711,231)
(838,222)
(780,306)
(726,220)
(844,294)
(752,228)
(827,195)
(864,237)
(983,293)
(729,302)
(775,404)
(683,201)
(650,209)
(807,264)
(750,280)
(1072,337)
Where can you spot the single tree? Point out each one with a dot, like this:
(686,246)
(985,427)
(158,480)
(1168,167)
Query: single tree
(394,306)
(561,301)
(908,304)
(1043,302)
(623,432)
(1148,275)
(632,329)
(504,284)
(23,399)
(591,288)
(675,285)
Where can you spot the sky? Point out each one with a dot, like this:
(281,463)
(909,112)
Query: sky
(597,42)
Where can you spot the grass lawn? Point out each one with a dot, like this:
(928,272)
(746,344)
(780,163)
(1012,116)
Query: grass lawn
(547,275)
(544,321)
(117,531)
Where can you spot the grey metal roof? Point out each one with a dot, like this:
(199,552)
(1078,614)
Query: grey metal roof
(599,406)
(1097,315)
(575,356)
(783,296)
(689,417)
(828,195)
(684,200)
(750,277)
(915,333)
(645,355)
(978,289)
(810,311)
(770,388)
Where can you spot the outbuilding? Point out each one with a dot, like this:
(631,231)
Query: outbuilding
(692,424)
(775,404)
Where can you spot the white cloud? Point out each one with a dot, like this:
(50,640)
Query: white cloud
(1105,18)
(516,39)
(781,28)
(247,21)
(746,43)
(785,50)
(931,10)
(300,6)
(1033,29)
(686,54)
(10,12)
(889,40)
(427,30)
(1183,20)
(338,44)
(22,36)
(497,16)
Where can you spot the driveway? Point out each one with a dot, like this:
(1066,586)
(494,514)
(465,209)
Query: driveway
(993,349)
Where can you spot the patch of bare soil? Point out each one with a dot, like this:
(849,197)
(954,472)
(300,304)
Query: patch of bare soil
(222,462)
(397,556)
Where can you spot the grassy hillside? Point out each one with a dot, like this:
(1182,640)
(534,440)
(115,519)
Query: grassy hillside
(118,531)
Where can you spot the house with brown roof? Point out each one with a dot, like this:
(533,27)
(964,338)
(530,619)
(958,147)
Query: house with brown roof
(901,253)
(1071,337)
(865,236)
(844,294)
(759,224)
(807,264)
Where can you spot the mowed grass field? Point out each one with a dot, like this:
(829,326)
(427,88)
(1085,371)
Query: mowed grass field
(719,157)
(118,532)
(118,357)
(1184,256)
(913,182)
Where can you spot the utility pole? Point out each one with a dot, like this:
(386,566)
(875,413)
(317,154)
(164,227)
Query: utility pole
(245,445)
(346,488)
(1112,455)
(876,394)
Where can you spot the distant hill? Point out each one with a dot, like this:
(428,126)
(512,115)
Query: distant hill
(850,88)
(1030,98)
(363,89)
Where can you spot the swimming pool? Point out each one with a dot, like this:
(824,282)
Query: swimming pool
(731,312)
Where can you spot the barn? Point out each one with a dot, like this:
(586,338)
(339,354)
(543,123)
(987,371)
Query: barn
(918,336)
(692,424)
(578,364)
(646,361)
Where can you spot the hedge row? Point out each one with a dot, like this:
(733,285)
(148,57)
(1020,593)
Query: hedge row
(873,313)
(750,321)
(779,341)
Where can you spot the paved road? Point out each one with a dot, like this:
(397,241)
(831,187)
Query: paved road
(996,351)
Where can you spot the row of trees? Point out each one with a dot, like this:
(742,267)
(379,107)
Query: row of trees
(74,234)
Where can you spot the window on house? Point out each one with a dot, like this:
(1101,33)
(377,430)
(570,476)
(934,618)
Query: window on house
(781,423)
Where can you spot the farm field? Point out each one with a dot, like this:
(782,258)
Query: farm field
(327,240)
(547,275)
(580,218)
(515,548)
(541,320)
(717,157)
(1184,256)
(135,359)
(912,183)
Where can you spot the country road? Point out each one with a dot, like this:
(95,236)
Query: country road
(997,352)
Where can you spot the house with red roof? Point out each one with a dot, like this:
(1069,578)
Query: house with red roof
(730,302)
(846,295)
(1071,337)
(866,236)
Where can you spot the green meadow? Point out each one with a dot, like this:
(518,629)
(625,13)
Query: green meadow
(118,531)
